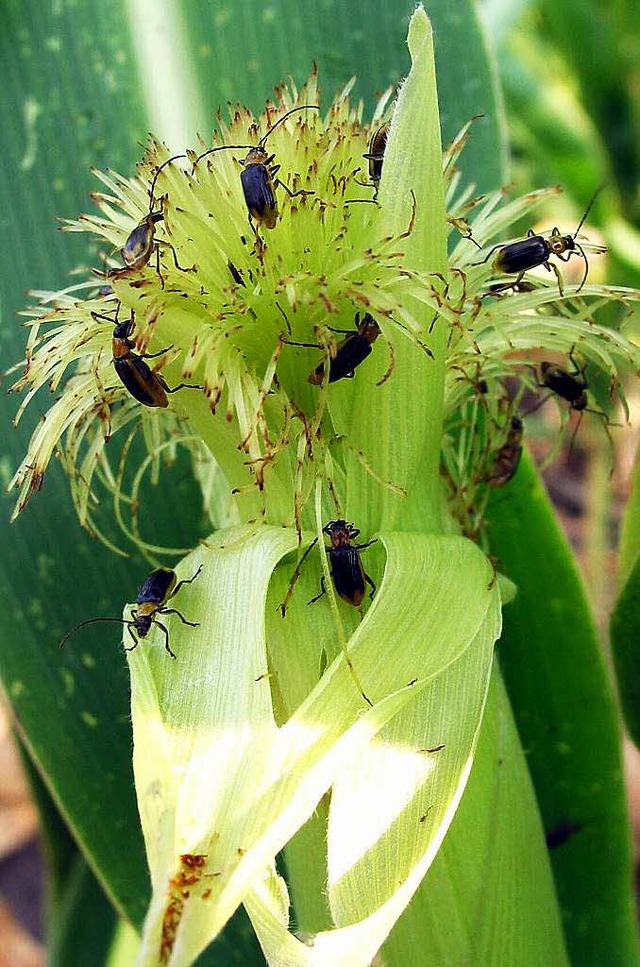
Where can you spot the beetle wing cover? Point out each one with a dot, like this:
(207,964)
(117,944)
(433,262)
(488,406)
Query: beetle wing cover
(259,194)
(348,574)
(137,248)
(351,352)
(140,380)
(522,255)
(157,587)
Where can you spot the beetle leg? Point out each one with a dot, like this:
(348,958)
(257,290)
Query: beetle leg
(511,285)
(577,370)
(155,355)
(159,242)
(575,433)
(135,640)
(489,254)
(606,423)
(166,638)
(186,581)
(101,315)
(581,254)
(294,578)
(292,194)
(183,386)
(192,624)
(361,547)
(558,275)
(323,591)
(540,403)
(368,579)
(160,275)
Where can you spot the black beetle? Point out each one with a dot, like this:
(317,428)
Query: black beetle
(534,250)
(143,383)
(153,594)
(375,154)
(141,242)
(350,352)
(571,387)
(347,572)
(258,175)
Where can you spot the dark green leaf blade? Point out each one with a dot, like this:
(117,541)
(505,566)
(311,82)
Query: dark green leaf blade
(625,649)
(249,49)
(563,704)
(69,99)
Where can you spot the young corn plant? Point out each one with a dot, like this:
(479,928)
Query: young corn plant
(345,732)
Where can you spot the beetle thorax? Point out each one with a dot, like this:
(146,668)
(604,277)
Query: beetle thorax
(256,156)
(341,533)
(369,329)
(123,330)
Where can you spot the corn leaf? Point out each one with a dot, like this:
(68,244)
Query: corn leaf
(218,780)
(564,708)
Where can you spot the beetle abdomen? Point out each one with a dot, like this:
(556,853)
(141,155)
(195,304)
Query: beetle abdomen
(348,574)
(157,587)
(259,195)
(523,255)
(141,382)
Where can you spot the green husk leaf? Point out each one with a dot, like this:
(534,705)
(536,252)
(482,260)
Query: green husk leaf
(226,784)
(489,896)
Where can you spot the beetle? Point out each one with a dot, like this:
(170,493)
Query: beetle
(350,352)
(559,835)
(506,461)
(534,250)
(571,387)
(347,572)
(258,175)
(143,383)
(141,242)
(375,154)
(153,594)
(349,576)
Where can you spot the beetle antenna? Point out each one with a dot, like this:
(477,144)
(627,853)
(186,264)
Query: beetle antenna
(155,177)
(90,621)
(586,266)
(102,315)
(303,107)
(589,207)
(221,147)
